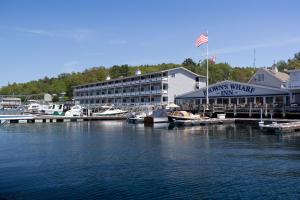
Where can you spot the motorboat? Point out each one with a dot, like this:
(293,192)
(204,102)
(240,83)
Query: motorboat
(55,109)
(37,107)
(157,116)
(110,112)
(75,111)
(182,115)
(137,118)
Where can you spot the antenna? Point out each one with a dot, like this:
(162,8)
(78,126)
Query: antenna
(254,57)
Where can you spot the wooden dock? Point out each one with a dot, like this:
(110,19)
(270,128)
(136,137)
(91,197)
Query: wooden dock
(53,119)
(281,125)
(279,128)
(204,122)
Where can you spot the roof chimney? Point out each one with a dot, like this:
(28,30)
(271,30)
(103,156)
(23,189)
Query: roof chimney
(274,67)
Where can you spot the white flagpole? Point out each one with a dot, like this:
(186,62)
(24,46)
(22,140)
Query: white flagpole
(207,101)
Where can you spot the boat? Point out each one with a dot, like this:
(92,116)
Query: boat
(137,118)
(157,116)
(182,115)
(37,107)
(55,109)
(75,111)
(10,102)
(110,112)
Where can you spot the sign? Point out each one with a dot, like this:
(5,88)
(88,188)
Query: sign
(229,89)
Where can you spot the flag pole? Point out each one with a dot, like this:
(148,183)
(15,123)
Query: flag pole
(207,100)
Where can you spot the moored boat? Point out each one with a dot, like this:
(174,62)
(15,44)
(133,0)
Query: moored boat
(137,118)
(182,115)
(110,112)
(75,111)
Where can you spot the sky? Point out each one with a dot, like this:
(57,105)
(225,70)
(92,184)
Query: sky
(50,37)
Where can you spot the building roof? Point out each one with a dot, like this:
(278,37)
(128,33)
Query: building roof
(281,76)
(147,74)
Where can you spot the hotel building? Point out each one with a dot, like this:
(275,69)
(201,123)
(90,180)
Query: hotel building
(157,88)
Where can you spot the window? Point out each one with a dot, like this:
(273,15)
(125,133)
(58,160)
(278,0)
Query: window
(251,100)
(269,100)
(197,79)
(165,86)
(242,100)
(233,100)
(173,75)
(165,99)
(260,77)
(259,100)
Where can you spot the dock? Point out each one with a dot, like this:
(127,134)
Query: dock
(54,119)
(274,126)
(279,128)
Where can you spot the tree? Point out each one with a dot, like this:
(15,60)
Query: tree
(188,62)
(282,65)
(295,62)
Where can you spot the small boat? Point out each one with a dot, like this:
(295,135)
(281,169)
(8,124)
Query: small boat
(182,115)
(75,111)
(110,112)
(157,116)
(138,118)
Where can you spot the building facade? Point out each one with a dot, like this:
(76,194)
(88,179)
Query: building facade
(231,92)
(158,88)
(266,86)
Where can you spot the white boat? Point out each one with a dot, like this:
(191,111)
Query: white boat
(37,107)
(137,118)
(75,111)
(55,109)
(10,103)
(110,112)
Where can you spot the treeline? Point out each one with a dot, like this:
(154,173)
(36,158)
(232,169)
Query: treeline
(65,81)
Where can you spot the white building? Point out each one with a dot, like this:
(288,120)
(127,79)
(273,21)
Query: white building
(270,77)
(156,88)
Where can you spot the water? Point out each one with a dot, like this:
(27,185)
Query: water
(115,160)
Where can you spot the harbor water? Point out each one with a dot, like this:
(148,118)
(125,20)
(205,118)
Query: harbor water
(116,160)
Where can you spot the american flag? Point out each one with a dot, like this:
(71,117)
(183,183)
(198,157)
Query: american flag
(202,39)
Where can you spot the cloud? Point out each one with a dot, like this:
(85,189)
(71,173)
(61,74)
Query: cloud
(81,34)
(276,43)
(34,31)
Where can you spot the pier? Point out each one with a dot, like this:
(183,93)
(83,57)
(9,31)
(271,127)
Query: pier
(274,126)
(53,119)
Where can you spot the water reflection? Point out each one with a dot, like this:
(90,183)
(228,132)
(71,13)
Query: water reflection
(116,160)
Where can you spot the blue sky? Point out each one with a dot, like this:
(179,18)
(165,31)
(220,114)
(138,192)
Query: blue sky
(46,38)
